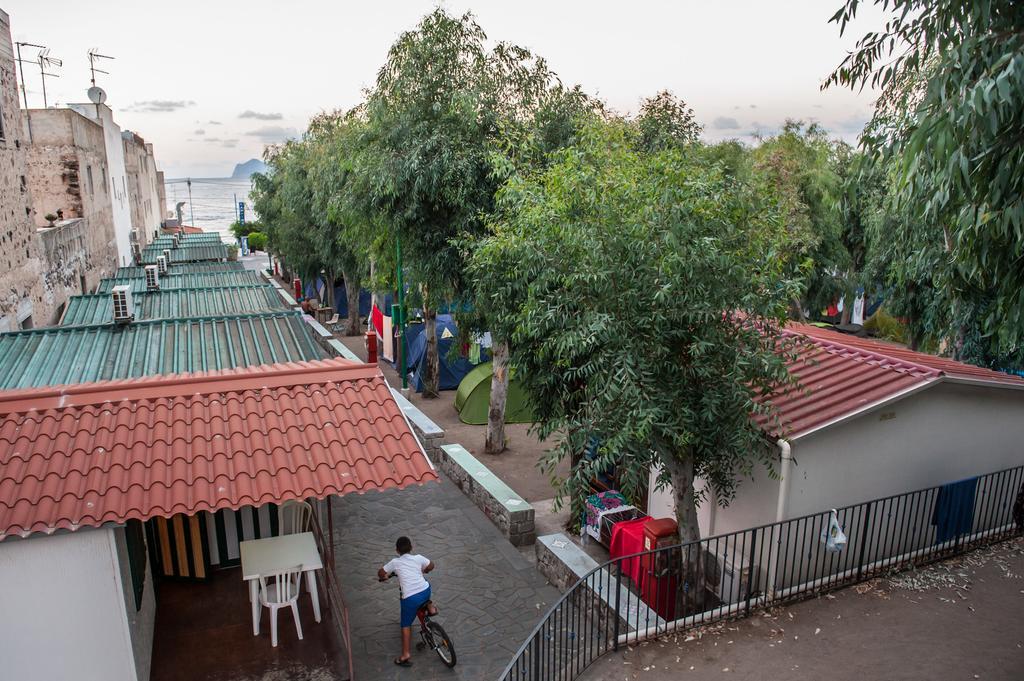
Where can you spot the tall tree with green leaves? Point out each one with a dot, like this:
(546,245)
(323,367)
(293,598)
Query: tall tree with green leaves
(950,120)
(642,293)
(798,168)
(435,118)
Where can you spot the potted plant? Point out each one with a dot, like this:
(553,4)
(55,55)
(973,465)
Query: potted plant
(50,218)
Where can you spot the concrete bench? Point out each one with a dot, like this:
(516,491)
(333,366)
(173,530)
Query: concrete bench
(506,509)
(564,563)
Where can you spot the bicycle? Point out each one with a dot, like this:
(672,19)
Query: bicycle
(433,635)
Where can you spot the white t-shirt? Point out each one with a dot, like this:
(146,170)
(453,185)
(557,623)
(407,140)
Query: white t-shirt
(409,569)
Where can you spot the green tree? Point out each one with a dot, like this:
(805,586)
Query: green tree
(665,122)
(798,168)
(435,119)
(950,121)
(257,241)
(642,294)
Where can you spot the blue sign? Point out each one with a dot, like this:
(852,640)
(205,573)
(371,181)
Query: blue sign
(241,212)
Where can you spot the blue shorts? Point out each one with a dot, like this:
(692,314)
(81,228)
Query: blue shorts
(411,604)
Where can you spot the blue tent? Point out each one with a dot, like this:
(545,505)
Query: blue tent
(452,372)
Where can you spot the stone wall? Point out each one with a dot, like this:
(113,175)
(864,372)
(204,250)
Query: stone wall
(512,514)
(67,167)
(22,298)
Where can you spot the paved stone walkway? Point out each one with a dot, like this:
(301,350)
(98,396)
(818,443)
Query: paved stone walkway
(490,596)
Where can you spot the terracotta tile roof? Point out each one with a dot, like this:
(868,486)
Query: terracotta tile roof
(840,375)
(81,354)
(87,454)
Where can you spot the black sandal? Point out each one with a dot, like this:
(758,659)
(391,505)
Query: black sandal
(403,663)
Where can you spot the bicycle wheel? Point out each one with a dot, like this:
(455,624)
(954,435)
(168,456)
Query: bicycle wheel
(442,644)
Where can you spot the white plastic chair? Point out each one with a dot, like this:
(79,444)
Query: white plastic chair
(278,590)
(332,322)
(294,517)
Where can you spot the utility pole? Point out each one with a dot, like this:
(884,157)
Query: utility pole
(21,63)
(399,315)
(191,211)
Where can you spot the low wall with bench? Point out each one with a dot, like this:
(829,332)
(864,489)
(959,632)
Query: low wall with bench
(510,512)
(430,434)
(564,563)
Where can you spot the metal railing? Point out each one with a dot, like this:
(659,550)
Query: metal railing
(329,578)
(644,595)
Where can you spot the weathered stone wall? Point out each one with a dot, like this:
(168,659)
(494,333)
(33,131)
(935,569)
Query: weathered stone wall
(22,298)
(67,167)
(512,514)
(140,168)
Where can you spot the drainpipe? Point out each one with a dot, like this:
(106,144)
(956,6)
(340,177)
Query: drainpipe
(784,474)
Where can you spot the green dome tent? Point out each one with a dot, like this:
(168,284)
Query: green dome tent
(473,398)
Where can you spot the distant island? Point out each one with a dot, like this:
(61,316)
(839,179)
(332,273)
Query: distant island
(244,170)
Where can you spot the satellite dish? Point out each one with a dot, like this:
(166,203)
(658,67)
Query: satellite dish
(97,95)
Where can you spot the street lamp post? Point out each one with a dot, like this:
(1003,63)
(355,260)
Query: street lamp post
(399,315)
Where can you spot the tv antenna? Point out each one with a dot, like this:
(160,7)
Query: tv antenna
(21,63)
(46,60)
(94,56)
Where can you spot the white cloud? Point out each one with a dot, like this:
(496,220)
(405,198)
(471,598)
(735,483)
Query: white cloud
(725,123)
(273,133)
(160,105)
(260,116)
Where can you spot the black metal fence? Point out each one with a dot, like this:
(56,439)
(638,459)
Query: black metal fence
(641,596)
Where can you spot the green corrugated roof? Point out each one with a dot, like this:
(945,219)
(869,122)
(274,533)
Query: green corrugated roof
(182,268)
(97,308)
(79,354)
(190,280)
(186,252)
(168,239)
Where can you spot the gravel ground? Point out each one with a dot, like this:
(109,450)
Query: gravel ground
(959,619)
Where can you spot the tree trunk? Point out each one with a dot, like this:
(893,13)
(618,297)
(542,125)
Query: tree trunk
(353,285)
(847,313)
(692,557)
(495,443)
(432,371)
(681,473)
(329,290)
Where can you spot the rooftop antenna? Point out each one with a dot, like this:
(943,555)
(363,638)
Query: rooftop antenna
(21,62)
(46,60)
(94,55)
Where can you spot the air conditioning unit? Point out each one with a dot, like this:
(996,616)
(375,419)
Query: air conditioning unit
(122,297)
(152,278)
(161,264)
(733,577)
(167,256)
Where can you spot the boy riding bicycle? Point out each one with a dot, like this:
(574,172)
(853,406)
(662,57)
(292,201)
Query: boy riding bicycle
(415,590)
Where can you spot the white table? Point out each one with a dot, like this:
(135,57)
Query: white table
(264,556)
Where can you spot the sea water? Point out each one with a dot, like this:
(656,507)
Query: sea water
(214,202)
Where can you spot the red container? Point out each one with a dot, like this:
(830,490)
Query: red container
(660,572)
(297,285)
(371,346)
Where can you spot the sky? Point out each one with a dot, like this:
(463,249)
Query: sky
(210,83)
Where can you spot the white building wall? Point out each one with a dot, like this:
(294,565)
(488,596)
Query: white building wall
(939,435)
(942,434)
(116,176)
(63,609)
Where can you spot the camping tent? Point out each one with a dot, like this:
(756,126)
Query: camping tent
(452,370)
(474,398)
